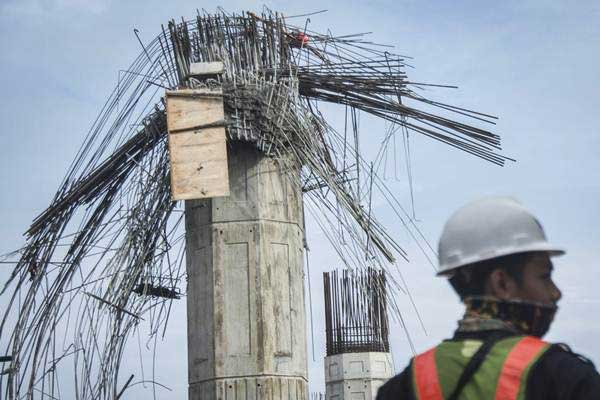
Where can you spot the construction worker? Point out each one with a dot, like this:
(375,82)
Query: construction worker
(497,259)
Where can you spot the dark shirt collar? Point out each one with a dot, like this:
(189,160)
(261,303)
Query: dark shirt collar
(483,335)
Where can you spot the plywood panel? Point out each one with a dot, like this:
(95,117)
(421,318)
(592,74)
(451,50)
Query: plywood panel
(191,108)
(197,144)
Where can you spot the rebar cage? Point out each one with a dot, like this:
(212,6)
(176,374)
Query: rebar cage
(356,311)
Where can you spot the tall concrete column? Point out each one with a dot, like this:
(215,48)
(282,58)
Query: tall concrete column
(245,296)
(358,361)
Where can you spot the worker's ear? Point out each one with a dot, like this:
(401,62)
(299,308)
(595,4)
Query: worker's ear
(501,285)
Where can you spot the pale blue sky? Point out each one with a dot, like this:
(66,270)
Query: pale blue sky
(532,63)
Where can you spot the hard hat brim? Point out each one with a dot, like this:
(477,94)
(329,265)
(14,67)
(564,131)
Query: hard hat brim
(553,251)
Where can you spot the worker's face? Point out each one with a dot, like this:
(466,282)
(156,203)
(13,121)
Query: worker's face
(536,285)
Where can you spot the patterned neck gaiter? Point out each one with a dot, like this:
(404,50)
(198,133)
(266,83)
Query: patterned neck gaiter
(521,317)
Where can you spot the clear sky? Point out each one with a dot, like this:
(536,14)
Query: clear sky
(532,63)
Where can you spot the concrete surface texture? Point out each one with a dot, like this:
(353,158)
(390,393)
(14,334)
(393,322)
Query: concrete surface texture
(356,376)
(245,296)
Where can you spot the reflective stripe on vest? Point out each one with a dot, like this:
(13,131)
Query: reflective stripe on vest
(519,358)
(524,352)
(426,377)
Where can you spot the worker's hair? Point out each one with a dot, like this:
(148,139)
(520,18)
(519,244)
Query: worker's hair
(470,280)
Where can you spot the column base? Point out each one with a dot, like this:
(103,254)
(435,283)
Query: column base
(251,388)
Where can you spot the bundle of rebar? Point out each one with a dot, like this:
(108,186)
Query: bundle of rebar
(104,260)
(356,318)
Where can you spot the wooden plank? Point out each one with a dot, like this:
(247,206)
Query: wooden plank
(207,68)
(198,154)
(199,164)
(190,108)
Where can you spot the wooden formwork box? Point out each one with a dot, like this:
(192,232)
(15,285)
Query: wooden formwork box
(197,143)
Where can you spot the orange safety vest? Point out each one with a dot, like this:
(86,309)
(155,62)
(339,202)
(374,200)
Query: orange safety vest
(501,376)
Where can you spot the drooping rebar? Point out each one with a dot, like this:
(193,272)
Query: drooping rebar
(104,260)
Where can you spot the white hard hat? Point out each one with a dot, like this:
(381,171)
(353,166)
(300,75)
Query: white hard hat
(489,228)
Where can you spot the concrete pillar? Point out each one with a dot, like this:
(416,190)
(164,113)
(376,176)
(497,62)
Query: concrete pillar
(356,376)
(245,296)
